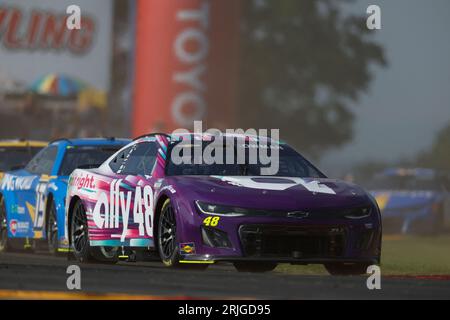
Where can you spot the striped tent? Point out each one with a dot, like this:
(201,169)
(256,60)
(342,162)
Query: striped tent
(57,85)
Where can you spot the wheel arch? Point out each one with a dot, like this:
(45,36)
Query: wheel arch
(2,198)
(48,202)
(158,206)
(72,203)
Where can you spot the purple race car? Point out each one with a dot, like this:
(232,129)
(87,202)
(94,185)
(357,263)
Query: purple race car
(195,213)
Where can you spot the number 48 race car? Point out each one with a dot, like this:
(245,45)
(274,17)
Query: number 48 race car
(196,214)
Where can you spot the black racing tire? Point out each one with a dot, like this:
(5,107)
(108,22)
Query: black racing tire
(3,227)
(52,229)
(167,232)
(79,236)
(168,247)
(346,269)
(254,266)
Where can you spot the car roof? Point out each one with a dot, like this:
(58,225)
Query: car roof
(20,143)
(205,136)
(91,141)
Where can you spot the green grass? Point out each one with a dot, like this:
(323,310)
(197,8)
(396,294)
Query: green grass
(401,255)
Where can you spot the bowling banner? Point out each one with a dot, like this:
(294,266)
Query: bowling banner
(186,64)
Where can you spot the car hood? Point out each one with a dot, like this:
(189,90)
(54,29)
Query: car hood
(272,193)
(396,200)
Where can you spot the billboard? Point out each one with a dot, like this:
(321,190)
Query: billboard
(185,65)
(34,41)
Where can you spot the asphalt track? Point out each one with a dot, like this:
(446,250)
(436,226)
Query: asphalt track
(40,276)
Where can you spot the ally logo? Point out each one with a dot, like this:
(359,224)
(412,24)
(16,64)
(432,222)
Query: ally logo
(119,204)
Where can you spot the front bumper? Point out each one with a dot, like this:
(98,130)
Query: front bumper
(297,241)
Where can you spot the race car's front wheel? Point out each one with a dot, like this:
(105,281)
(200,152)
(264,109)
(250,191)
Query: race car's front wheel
(52,229)
(346,269)
(167,240)
(253,266)
(167,233)
(3,227)
(79,235)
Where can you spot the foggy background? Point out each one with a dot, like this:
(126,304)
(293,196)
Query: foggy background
(408,102)
(353,100)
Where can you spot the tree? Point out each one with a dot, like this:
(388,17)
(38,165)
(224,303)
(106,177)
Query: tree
(438,156)
(302,64)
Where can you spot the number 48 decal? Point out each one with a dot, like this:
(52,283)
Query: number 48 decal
(211,221)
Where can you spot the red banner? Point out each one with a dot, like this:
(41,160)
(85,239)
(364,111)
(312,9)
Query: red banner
(186,64)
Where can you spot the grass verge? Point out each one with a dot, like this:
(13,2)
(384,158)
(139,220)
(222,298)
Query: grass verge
(401,255)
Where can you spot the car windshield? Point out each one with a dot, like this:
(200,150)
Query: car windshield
(16,157)
(291,163)
(85,157)
(408,182)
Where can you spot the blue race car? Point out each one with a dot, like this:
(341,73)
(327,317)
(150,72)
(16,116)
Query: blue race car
(412,201)
(32,199)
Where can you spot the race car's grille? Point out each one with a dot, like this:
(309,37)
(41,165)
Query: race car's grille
(292,241)
(314,214)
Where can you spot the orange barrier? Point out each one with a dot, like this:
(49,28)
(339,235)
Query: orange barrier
(185,64)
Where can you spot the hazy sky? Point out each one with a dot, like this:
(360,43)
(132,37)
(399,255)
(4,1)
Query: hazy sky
(409,100)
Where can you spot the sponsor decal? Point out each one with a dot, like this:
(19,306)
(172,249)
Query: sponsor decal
(82,182)
(13,226)
(17,209)
(11,183)
(170,188)
(249,182)
(187,248)
(44,31)
(23,226)
(108,211)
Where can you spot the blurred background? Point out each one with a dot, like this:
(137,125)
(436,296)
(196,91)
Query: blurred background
(354,99)
(371,106)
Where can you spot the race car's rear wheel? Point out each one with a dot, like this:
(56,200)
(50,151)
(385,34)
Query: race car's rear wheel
(346,269)
(79,235)
(167,240)
(3,227)
(252,266)
(52,229)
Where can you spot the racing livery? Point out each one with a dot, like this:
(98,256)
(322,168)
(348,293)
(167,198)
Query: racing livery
(198,214)
(413,201)
(32,199)
(15,154)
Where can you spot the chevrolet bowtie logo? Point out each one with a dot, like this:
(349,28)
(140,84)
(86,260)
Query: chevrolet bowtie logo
(298,214)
